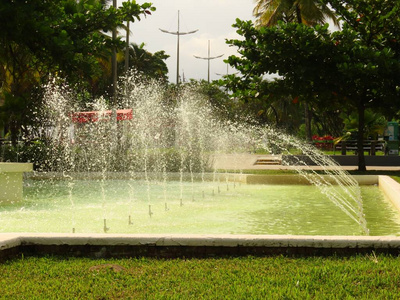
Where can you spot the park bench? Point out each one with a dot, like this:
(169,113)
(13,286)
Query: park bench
(370,146)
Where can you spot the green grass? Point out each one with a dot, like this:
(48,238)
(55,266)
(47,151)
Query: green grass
(276,277)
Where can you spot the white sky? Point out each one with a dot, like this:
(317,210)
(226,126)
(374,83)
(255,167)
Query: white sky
(212,18)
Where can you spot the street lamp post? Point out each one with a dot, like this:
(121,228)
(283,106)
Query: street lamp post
(178,34)
(127,46)
(208,58)
(114,62)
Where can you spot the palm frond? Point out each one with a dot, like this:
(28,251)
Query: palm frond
(312,12)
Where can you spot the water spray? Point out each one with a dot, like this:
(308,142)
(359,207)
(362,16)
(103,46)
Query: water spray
(141,153)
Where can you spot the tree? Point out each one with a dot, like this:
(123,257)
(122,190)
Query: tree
(356,67)
(309,12)
(64,37)
(150,64)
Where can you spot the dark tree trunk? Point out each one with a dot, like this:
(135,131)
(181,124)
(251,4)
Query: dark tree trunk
(277,121)
(307,120)
(13,128)
(360,138)
(298,14)
(307,111)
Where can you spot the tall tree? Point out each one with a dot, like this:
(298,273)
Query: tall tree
(356,67)
(308,12)
(61,36)
(151,65)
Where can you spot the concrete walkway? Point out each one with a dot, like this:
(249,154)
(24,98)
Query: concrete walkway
(260,162)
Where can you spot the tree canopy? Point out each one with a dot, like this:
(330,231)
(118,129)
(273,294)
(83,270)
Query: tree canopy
(150,64)
(356,67)
(310,12)
(60,37)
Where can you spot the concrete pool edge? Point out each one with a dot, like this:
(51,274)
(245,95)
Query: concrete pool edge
(171,246)
(174,245)
(391,189)
(11,180)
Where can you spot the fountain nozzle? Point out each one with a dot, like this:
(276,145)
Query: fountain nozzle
(105,228)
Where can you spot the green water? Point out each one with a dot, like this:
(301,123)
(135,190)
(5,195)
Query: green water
(239,209)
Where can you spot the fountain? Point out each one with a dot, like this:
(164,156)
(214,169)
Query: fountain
(149,165)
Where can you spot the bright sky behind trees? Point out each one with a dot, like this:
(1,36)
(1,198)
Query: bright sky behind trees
(213,19)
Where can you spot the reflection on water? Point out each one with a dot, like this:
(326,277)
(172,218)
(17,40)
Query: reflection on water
(239,209)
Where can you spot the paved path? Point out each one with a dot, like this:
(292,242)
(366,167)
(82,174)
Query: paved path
(248,162)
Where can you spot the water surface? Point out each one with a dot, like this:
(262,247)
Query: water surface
(204,208)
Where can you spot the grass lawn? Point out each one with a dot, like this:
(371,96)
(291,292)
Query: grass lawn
(275,277)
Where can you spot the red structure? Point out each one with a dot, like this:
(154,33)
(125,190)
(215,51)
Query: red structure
(94,116)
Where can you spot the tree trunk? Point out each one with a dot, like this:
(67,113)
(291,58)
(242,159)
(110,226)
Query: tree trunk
(307,121)
(277,121)
(298,14)
(307,111)
(360,137)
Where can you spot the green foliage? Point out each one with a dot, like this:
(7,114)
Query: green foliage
(302,131)
(34,152)
(375,123)
(151,65)
(222,105)
(63,37)
(313,63)
(351,69)
(310,12)
(58,33)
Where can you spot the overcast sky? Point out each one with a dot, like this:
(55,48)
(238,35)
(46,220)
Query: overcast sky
(212,18)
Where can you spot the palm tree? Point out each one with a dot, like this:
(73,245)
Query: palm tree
(309,12)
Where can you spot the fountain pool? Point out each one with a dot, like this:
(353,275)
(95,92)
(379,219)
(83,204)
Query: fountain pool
(172,196)
(125,207)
